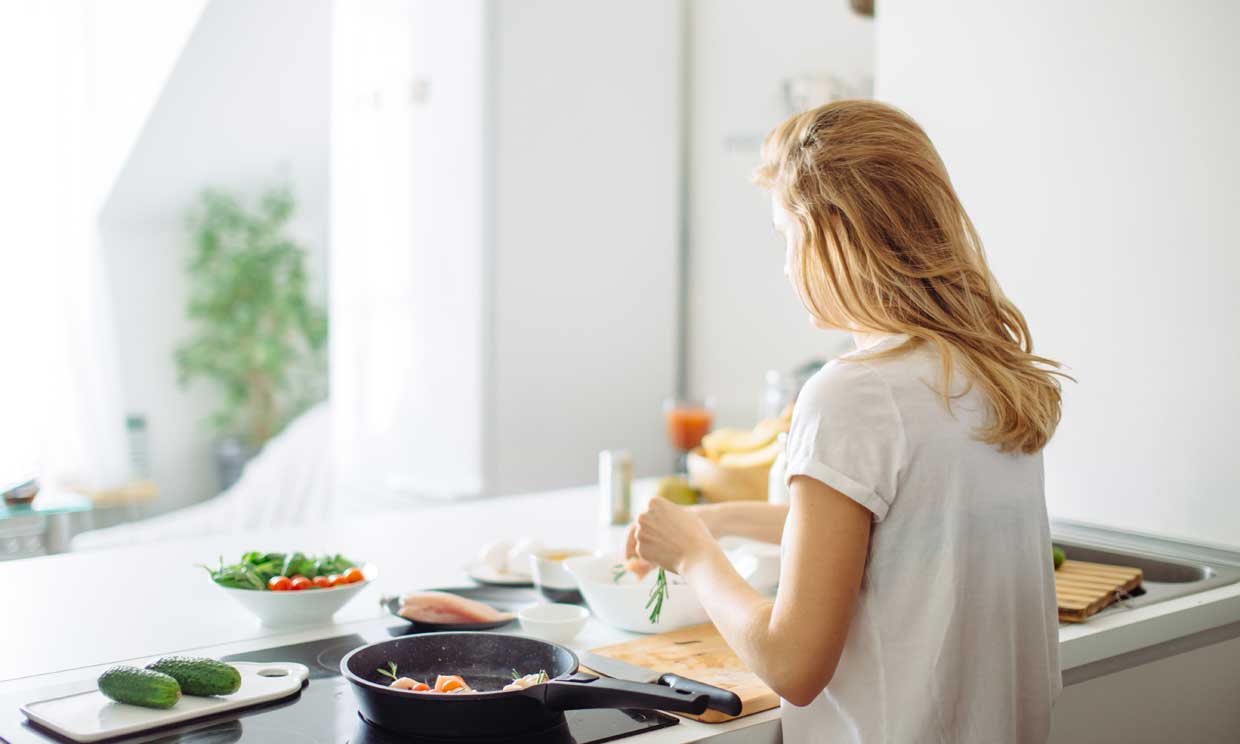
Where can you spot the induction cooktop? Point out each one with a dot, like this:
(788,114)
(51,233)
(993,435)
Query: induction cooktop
(325,713)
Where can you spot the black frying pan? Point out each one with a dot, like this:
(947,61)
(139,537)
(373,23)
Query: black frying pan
(486,661)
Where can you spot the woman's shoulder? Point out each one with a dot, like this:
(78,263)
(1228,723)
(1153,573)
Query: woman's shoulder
(842,385)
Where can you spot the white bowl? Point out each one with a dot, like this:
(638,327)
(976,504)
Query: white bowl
(558,623)
(623,604)
(305,607)
(551,578)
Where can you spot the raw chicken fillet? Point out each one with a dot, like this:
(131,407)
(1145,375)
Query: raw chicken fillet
(444,609)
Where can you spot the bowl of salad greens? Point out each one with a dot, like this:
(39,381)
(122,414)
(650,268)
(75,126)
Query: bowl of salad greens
(291,588)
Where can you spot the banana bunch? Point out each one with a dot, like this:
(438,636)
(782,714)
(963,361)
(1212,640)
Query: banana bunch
(747,448)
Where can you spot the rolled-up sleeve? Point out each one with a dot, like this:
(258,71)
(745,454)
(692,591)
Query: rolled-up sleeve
(847,433)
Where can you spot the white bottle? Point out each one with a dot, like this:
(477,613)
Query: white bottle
(777,485)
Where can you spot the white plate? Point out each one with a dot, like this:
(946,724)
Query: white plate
(89,716)
(484,574)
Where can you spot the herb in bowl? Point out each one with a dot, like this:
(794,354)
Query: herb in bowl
(658,592)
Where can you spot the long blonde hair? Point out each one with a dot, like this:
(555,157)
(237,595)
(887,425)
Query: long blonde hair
(886,246)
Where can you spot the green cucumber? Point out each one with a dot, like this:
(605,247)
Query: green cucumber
(126,684)
(199,676)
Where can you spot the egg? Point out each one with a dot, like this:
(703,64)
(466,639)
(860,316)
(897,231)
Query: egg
(495,555)
(519,555)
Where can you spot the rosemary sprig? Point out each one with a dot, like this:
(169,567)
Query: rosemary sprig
(658,593)
(390,671)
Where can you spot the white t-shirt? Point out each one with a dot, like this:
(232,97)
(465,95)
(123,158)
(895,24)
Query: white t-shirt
(955,636)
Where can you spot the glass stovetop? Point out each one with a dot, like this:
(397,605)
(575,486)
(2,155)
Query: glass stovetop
(325,713)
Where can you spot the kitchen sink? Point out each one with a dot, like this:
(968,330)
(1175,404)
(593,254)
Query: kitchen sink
(1170,568)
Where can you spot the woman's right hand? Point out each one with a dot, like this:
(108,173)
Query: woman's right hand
(705,512)
(756,520)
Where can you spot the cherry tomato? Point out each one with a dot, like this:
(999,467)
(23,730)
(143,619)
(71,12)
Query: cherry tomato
(295,577)
(279,584)
(322,582)
(353,576)
(299,582)
(335,580)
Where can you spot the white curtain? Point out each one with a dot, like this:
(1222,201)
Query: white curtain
(61,413)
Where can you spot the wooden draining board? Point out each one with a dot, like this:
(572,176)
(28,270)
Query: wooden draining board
(698,653)
(1082,588)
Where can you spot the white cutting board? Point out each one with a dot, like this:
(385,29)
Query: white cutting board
(89,716)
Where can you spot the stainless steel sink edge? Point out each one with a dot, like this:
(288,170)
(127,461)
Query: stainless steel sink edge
(1152,545)
(1157,556)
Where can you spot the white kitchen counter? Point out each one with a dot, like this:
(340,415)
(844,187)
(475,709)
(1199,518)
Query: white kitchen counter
(62,617)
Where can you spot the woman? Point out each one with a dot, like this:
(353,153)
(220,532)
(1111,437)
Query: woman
(916,599)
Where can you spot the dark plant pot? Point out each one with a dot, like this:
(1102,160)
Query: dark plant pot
(231,456)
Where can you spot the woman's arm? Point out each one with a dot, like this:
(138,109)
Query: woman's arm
(793,643)
(756,520)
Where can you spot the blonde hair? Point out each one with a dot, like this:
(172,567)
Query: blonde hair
(886,246)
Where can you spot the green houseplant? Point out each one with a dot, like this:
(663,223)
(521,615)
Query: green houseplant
(258,336)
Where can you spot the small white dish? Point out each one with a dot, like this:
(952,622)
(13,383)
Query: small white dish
(305,607)
(558,623)
(551,578)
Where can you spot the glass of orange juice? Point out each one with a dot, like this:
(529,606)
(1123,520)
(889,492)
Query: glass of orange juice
(688,420)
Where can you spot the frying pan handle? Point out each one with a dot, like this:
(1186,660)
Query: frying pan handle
(584,691)
(720,699)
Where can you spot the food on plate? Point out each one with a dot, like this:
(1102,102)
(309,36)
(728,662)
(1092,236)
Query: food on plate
(1058,556)
(639,569)
(495,555)
(454,684)
(199,676)
(280,572)
(507,557)
(444,608)
(144,687)
(519,556)
(677,490)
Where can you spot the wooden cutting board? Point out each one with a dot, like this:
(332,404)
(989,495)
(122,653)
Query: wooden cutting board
(1083,588)
(698,653)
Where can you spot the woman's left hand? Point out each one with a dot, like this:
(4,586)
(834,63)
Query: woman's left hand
(669,535)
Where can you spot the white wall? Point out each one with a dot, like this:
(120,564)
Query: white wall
(246,104)
(407,223)
(133,46)
(1094,146)
(743,316)
(585,162)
